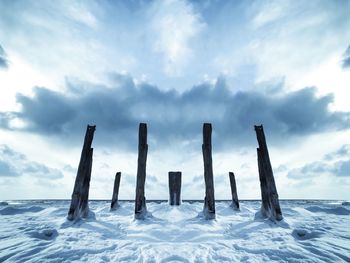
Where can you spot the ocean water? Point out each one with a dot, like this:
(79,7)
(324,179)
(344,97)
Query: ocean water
(37,231)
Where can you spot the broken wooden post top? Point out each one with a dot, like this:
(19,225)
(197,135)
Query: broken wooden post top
(142,134)
(89,136)
(260,135)
(90,129)
(207,124)
(207,129)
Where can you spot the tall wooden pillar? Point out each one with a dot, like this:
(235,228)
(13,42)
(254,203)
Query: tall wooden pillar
(270,207)
(140,200)
(114,203)
(79,204)
(209,200)
(174,188)
(235,203)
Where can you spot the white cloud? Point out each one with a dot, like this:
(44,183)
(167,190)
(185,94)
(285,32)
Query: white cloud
(174,24)
(21,76)
(269,11)
(329,77)
(304,36)
(79,12)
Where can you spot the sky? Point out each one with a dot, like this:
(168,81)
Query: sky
(174,64)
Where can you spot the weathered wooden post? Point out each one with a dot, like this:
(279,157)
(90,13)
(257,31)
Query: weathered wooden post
(209,200)
(79,204)
(270,207)
(174,188)
(140,200)
(114,203)
(235,203)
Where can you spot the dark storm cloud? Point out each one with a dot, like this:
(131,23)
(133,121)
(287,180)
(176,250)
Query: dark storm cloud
(5,118)
(343,168)
(172,116)
(315,169)
(310,170)
(335,163)
(346,59)
(346,62)
(6,169)
(341,152)
(3,58)
(13,163)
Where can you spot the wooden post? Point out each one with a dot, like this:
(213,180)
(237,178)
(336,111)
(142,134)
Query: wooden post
(235,203)
(114,203)
(174,188)
(86,187)
(270,207)
(140,200)
(79,204)
(209,200)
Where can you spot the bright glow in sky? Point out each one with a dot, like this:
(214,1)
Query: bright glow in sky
(174,64)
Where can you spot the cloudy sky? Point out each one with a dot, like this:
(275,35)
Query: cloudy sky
(174,64)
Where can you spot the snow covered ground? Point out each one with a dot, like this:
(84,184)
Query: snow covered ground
(37,231)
